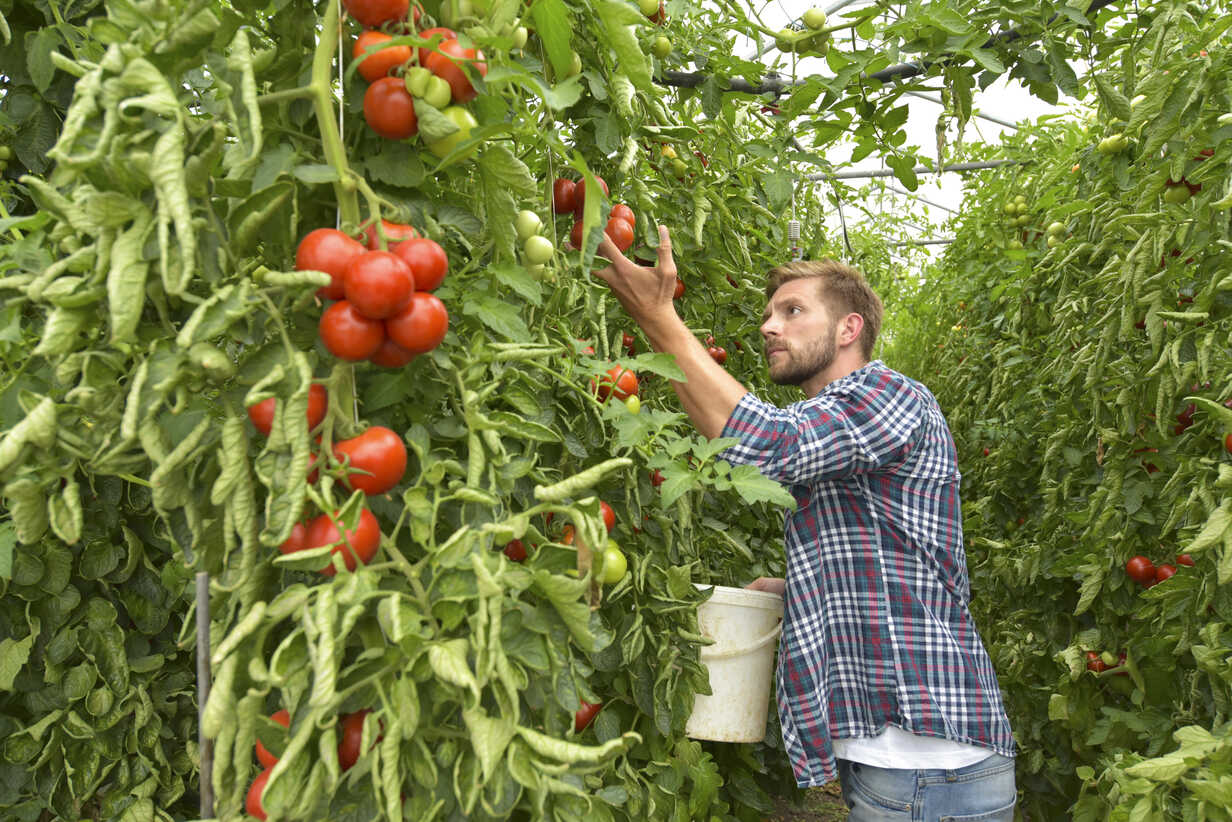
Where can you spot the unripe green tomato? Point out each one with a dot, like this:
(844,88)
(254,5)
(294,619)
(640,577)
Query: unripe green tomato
(1108,659)
(1054,240)
(814,18)
(527,224)
(1020,206)
(1120,142)
(539,272)
(1023,219)
(1056,228)
(575,64)
(538,249)
(633,404)
(614,564)
(6,153)
(1177,194)
(819,45)
(417,80)
(464,120)
(439,93)
(649,7)
(786,40)
(661,47)
(1009,208)
(680,168)
(1015,244)
(1020,198)
(520,35)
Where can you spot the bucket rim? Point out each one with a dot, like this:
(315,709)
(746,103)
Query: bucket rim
(725,595)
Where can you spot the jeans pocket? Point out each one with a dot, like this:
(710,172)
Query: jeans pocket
(879,793)
(1005,814)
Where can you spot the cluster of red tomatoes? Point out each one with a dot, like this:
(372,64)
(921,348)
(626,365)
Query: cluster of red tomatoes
(569,197)
(352,733)
(397,74)
(383,311)
(1144,572)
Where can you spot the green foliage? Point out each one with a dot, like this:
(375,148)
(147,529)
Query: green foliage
(1065,367)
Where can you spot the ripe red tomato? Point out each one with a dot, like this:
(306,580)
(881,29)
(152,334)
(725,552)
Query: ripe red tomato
(515,550)
(352,737)
(1164,572)
(391,355)
(373,13)
(585,715)
(562,195)
(1227,443)
(628,342)
(621,232)
(656,478)
(328,250)
(566,535)
(579,195)
(427,260)
(283,718)
(389,109)
(298,540)
(420,326)
(362,541)
(620,211)
(446,34)
(619,381)
(717,353)
(380,63)
(378,452)
(609,516)
(1140,569)
(379,284)
(575,235)
(1095,662)
(447,62)
(349,335)
(679,289)
(1184,559)
(252,802)
(262,414)
(395,235)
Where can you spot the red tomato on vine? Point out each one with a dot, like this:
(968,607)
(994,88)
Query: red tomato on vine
(262,414)
(328,250)
(389,109)
(348,334)
(381,62)
(562,195)
(379,284)
(395,235)
(445,34)
(374,13)
(379,453)
(283,718)
(391,355)
(359,544)
(252,802)
(420,326)
(427,260)
(621,232)
(618,381)
(447,63)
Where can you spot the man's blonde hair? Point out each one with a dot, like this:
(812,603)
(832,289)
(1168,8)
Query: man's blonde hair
(843,290)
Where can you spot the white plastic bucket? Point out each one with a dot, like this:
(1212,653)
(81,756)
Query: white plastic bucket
(745,626)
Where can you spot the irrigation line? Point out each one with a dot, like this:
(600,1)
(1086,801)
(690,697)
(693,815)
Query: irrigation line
(856,173)
(987,117)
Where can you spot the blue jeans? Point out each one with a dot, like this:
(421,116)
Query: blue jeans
(983,792)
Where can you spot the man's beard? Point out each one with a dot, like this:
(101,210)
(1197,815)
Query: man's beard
(797,368)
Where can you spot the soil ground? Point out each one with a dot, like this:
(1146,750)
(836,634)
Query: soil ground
(820,805)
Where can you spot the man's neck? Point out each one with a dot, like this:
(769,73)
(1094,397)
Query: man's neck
(847,362)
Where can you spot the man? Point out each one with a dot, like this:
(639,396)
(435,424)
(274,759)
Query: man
(882,678)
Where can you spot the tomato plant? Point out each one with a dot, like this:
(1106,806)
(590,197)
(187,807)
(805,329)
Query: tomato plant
(1140,569)
(267,759)
(617,381)
(252,802)
(352,738)
(262,414)
(383,59)
(394,235)
(448,62)
(585,715)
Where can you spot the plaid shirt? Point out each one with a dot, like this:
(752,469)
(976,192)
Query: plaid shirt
(876,628)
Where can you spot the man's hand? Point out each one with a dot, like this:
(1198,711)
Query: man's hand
(644,292)
(709,394)
(772,585)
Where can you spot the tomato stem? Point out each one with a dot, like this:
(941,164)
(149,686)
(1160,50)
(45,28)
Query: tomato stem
(323,102)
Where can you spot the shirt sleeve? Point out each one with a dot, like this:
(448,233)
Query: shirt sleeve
(827,437)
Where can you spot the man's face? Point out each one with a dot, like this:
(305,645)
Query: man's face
(799,333)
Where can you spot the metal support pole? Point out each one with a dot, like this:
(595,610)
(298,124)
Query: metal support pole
(855,174)
(205,745)
(987,117)
(924,200)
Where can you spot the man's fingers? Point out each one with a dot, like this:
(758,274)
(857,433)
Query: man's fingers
(665,251)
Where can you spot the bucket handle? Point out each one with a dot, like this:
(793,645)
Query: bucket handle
(758,644)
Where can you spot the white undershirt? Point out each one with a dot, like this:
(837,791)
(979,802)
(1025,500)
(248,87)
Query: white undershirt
(896,748)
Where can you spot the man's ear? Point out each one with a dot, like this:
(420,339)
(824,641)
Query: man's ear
(850,328)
